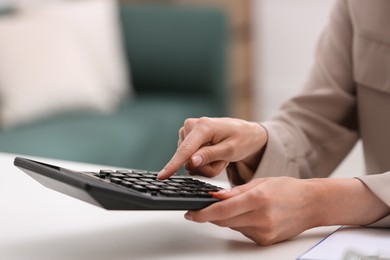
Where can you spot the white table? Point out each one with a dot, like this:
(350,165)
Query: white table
(39,223)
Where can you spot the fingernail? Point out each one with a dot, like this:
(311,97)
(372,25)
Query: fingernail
(196,160)
(223,191)
(187,216)
(160,175)
(216,194)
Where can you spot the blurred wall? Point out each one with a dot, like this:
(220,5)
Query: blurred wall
(285,36)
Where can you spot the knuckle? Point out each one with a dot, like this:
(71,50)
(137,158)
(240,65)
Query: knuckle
(269,238)
(261,197)
(255,195)
(204,120)
(205,123)
(230,148)
(263,238)
(181,131)
(208,154)
(188,123)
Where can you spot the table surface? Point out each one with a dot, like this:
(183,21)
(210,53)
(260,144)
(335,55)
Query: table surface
(39,223)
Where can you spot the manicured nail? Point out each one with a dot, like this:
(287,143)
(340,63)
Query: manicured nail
(217,194)
(222,192)
(196,160)
(160,175)
(187,216)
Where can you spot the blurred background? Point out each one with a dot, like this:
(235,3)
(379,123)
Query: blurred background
(129,72)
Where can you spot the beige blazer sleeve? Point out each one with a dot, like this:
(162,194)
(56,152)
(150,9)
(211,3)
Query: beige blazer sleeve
(313,132)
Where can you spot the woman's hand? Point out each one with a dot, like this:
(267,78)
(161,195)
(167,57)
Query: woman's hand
(275,209)
(207,145)
(265,210)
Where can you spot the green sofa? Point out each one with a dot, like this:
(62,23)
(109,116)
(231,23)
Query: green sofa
(177,57)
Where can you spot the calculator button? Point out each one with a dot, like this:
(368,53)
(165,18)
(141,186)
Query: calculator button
(152,176)
(187,194)
(117,175)
(126,183)
(147,179)
(105,173)
(195,186)
(133,175)
(158,183)
(131,179)
(204,195)
(139,188)
(141,183)
(170,193)
(175,184)
(115,180)
(178,180)
(171,188)
(140,172)
(188,189)
(153,187)
(124,171)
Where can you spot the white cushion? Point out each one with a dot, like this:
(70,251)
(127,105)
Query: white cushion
(65,57)
(44,71)
(96,24)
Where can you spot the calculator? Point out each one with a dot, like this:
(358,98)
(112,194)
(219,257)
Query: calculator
(127,189)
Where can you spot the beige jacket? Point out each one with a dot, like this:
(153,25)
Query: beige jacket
(346,97)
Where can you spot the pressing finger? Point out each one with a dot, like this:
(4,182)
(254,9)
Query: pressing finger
(187,148)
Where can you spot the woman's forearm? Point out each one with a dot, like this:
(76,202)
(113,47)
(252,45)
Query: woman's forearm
(346,202)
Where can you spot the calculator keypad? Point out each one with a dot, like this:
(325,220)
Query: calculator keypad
(146,182)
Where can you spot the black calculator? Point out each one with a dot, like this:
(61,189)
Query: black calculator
(128,189)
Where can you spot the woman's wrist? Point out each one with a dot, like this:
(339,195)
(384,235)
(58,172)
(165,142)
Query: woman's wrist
(242,171)
(260,141)
(344,202)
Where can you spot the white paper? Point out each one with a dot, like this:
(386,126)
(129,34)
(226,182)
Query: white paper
(352,243)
